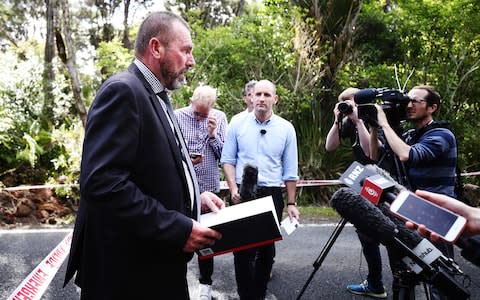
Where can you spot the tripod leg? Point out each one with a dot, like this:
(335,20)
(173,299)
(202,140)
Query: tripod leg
(427,291)
(318,262)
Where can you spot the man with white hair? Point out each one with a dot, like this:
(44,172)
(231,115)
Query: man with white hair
(203,128)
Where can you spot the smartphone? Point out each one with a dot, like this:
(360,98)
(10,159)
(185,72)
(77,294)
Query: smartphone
(195,155)
(417,210)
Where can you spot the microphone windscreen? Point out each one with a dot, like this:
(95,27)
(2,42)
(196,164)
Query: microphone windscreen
(248,187)
(411,238)
(365,96)
(363,214)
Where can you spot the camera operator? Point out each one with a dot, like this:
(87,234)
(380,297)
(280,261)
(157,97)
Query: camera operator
(428,151)
(348,125)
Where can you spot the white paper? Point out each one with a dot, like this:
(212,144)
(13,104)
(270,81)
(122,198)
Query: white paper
(289,224)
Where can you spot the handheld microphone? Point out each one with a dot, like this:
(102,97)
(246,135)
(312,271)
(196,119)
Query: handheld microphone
(263,131)
(427,259)
(248,187)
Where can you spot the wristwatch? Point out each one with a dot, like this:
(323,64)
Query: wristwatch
(294,203)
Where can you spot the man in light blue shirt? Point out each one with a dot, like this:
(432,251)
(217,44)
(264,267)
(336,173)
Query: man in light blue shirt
(269,142)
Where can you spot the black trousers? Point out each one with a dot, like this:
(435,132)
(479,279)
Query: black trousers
(253,266)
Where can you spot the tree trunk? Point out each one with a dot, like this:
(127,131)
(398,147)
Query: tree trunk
(48,73)
(67,55)
(126,39)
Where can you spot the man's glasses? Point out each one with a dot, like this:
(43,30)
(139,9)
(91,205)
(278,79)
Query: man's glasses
(200,115)
(416,101)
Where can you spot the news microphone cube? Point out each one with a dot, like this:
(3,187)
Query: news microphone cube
(374,186)
(355,175)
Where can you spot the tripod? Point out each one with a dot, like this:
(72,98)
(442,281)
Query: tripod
(406,282)
(318,262)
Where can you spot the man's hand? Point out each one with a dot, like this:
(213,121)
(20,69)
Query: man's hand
(381,117)
(235,197)
(211,202)
(197,159)
(336,111)
(354,114)
(293,212)
(200,237)
(212,126)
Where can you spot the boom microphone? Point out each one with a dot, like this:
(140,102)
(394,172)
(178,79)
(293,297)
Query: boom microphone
(370,220)
(248,187)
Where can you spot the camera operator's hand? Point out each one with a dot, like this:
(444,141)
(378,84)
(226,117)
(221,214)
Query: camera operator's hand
(472,214)
(336,112)
(381,117)
(354,114)
(399,147)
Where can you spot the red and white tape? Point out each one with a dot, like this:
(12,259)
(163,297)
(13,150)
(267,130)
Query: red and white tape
(223,184)
(36,283)
(300,183)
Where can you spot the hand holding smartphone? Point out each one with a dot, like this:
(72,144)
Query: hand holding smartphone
(417,210)
(195,155)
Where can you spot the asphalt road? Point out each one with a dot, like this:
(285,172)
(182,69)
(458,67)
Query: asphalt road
(20,252)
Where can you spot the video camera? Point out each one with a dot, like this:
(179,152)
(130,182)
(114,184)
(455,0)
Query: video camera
(392,101)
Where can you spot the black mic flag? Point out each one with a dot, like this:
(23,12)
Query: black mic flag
(248,187)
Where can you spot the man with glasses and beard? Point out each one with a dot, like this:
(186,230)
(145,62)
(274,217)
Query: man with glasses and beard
(428,151)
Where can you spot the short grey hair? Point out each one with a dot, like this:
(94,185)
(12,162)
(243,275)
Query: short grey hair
(248,86)
(159,25)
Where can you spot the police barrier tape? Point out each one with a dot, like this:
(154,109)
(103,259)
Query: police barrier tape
(36,283)
(300,183)
(223,185)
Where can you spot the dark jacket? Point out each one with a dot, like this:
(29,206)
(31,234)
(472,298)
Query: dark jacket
(135,208)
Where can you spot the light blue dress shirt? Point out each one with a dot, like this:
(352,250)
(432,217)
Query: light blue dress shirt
(271,146)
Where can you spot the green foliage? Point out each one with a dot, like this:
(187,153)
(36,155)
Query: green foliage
(310,49)
(112,57)
(270,41)
(25,147)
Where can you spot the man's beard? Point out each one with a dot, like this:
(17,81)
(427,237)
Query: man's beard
(261,111)
(173,79)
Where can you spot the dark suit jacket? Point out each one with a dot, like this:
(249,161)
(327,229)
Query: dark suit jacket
(135,208)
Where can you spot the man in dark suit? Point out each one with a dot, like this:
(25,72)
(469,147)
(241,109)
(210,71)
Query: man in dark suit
(135,229)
